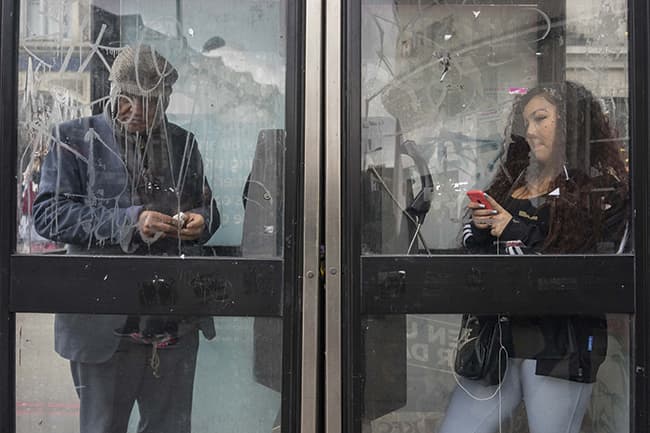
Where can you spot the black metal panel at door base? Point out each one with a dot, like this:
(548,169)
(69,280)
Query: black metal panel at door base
(146,285)
(491,284)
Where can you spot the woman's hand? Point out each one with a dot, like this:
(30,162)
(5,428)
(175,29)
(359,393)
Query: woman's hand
(495,219)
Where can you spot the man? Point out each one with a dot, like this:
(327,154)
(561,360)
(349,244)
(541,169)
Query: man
(128,182)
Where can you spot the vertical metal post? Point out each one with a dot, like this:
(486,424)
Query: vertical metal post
(311,316)
(333,384)
(551,60)
(8,132)
(179,18)
(639,58)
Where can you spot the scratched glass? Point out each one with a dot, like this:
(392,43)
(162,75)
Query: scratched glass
(528,101)
(236,385)
(450,103)
(151,127)
(410,384)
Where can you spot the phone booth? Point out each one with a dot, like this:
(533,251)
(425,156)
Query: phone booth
(324,216)
(489,306)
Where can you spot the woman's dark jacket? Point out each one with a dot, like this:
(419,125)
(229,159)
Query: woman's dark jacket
(569,347)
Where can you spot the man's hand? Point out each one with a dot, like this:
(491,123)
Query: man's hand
(494,219)
(193,228)
(155,225)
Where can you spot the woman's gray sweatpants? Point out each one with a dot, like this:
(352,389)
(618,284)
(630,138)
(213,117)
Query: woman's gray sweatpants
(552,405)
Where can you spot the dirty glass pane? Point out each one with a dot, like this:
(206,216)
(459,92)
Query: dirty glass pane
(227,381)
(411,384)
(151,127)
(526,100)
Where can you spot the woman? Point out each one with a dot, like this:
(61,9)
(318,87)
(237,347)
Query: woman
(562,189)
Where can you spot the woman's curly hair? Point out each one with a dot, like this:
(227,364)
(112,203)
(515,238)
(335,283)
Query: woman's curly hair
(591,208)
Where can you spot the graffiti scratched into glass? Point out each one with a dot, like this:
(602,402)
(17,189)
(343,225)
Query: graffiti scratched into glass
(152,128)
(212,101)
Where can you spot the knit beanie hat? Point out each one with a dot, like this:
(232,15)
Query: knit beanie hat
(141,71)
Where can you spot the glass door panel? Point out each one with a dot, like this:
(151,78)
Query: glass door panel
(236,372)
(221,87)
(154,139)
(529,102)
(443,96)
(420,391)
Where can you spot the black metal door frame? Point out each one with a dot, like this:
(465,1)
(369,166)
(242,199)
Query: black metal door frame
(620,286)
(24,290)
(8,79)
(639,65)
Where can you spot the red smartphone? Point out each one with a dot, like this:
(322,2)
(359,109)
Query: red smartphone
(478,196)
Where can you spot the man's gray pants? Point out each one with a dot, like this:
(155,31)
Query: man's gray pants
(108,391)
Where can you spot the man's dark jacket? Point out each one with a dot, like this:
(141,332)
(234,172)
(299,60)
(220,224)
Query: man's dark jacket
(86,200)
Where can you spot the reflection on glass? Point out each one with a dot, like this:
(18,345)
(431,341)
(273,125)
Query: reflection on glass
(419,390)
(231,381)
(192,122)
(442,114)
(144,127)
